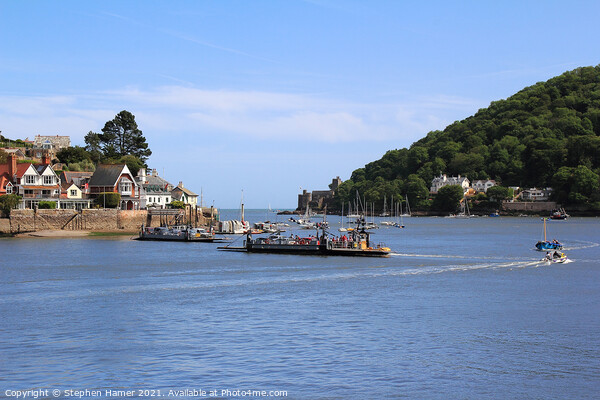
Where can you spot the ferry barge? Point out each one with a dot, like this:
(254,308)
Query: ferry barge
(357,243)
(177,233)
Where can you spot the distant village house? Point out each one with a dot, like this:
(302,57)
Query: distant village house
(483,185)
(443,180)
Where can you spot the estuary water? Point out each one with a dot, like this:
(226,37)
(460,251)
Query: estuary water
(462,309)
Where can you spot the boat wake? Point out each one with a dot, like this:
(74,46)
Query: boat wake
(445,256)
(579,245)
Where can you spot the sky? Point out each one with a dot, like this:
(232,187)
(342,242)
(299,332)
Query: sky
(272,97)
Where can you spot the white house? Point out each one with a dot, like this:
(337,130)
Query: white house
(155,191)
(535,194)
(36,183)
(439,182)
(483,185)
(185,195)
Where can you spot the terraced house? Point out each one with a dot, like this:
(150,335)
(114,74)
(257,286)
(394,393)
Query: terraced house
(33,182)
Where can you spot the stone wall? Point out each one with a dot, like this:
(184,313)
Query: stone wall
(4,225)
(534,206)
(101,219)
(132,220)
(40,220)
(89,220)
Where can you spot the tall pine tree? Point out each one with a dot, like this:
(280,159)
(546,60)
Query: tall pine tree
(121,137)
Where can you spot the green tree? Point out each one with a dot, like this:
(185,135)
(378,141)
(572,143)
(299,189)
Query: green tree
(74,154)
(417,156)
(416,190)
(85,166)
(93,146)
(561,183)
(448,198)
(3,157)
(8,202)
(133,163)
(121,136)
(499,193)
(585,184)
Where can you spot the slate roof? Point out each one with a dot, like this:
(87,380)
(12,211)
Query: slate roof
(186,191)
(70,176)
(157,184)
(106,175)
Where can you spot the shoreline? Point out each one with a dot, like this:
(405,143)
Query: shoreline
(69,234)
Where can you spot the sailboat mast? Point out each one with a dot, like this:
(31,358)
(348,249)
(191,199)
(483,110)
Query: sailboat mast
(242,206)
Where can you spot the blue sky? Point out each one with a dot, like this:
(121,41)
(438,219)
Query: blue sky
(272,96)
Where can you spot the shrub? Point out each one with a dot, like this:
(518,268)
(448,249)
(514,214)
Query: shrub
(47,205)
(108,200)
(177,204)
(8,202)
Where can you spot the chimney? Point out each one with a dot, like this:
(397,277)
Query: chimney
(180,184)
(154,173)
(12,165)
(142,175)
(45,160)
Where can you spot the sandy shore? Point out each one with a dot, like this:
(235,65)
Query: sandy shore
(54,234)
(74,234)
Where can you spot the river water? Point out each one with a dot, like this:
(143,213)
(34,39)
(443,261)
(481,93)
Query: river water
(462,309)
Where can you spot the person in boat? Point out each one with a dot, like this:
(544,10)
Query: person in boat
(548,256)
(557,254)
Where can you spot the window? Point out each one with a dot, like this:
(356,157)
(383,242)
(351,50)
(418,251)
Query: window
(48,180)
(8,189)
(125,186)
(73,192)
(45,192)
(29,179)
(28,191)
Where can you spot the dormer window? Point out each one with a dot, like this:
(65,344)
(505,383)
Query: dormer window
(29,179)
(48,180)
(125,185)
(9,189)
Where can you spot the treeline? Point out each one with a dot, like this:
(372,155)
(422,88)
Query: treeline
(546,135)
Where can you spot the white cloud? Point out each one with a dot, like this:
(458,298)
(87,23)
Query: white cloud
(176,110)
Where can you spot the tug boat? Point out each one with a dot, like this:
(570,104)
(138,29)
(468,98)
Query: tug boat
(356,243)
(559,214)
(176,233)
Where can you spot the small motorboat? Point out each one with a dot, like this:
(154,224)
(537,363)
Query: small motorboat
(555,257)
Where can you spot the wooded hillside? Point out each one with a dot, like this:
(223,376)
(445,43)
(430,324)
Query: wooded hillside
(547,134)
